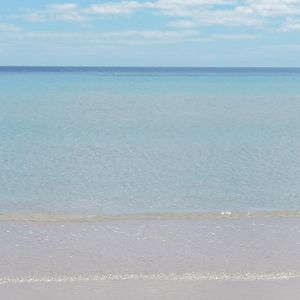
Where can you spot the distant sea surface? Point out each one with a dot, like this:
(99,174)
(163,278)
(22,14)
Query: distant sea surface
(149,140)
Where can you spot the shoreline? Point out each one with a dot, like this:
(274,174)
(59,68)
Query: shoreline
(203,245)
(86,217)
(223,277)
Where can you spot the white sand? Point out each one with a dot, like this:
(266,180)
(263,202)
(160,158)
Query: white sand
(247,258)
(113,290)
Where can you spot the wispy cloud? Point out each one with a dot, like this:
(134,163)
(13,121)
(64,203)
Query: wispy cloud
(182,24)
(119,8)
(106,38)
(210,12)
(117,38)
(196,30)
(234,37)
(9,28)
(273,8)
(186,13)
(291,25)
(67,12)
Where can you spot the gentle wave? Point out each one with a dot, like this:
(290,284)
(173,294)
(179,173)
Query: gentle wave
(52,217)
(154,276)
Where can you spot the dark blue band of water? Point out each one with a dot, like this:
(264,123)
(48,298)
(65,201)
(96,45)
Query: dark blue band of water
(169,70)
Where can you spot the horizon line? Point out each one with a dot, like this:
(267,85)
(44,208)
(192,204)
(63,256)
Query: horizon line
(156,67)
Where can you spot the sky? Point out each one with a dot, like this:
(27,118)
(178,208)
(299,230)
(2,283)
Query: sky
(198,33)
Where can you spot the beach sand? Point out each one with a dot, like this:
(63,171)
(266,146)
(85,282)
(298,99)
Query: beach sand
(275,290)
(197,258)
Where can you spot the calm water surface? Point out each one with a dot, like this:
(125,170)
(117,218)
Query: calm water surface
(124,140)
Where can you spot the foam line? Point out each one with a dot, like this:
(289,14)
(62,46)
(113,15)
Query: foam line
(152,277)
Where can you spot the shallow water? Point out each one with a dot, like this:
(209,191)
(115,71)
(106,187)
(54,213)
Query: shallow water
(199,249)
(126,141)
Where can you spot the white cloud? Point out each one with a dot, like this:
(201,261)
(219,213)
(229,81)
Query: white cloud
(182,24)
(105,38)
(182,14)
(67,12)
(119,8)
(64,7)
(251,13)
(291,25)
(166,6)
(273,8)
(195,11)
(110,38)
(234,37)
(9,28)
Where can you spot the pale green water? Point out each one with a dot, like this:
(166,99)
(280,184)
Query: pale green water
(119,141)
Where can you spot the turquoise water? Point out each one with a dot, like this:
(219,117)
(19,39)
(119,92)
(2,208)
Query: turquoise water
(122,140)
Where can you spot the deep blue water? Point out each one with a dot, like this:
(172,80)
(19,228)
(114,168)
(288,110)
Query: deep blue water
(139,140)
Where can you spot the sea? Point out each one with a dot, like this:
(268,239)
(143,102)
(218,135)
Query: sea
(129,141)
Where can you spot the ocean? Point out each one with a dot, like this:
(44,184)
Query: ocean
(121,141)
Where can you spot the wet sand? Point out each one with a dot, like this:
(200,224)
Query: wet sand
(212,258)
(275,290)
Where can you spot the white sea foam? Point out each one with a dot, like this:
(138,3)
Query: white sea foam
(153,276)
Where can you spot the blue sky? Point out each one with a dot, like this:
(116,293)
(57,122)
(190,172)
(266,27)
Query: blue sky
(150,33)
